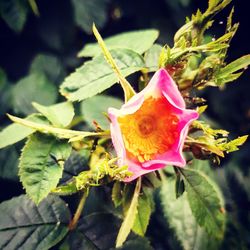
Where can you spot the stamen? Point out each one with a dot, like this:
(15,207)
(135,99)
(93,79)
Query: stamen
(151,130)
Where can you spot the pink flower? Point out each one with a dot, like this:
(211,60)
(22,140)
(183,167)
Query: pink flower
(149,131)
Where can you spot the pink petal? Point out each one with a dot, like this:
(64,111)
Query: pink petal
(161,84)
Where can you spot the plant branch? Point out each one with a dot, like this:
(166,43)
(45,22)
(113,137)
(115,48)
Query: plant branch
(79,209)
(73,135)
(127,88)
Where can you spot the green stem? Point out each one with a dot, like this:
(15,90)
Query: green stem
(73,135)
(78,212)
(127,88)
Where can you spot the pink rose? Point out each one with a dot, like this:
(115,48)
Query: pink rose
(149,131)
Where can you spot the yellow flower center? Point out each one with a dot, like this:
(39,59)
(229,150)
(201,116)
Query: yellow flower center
(151,130)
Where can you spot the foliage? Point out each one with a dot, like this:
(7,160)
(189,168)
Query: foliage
(34,227)
(180,218)
(94,109)
(41,165)
(96,75)
(69,151)
(138,41)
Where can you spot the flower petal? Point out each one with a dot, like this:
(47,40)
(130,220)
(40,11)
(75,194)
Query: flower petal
(161,85)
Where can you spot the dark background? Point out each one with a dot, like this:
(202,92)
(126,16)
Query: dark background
(56,33)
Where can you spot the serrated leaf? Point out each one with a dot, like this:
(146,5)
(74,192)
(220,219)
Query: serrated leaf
(181,220)
(16,132)
(138,41)
(208,130)
(143,215)
(48,65)
(14,12)
(27,226)
(88,12)
(205,201)
(41,165)
(60,114)
(130,217)
(152,57)
(96,75)
(94,109)
(233,145)
(32,88)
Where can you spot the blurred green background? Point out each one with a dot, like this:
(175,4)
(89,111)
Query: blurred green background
(37,52)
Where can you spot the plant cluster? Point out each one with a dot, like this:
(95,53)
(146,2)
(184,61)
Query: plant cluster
(67,155)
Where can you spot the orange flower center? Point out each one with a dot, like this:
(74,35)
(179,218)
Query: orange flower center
(146,125)
(151,130)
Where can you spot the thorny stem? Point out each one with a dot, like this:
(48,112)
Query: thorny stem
(74,221)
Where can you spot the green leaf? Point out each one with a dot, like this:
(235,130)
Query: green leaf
(181,220)
(32,88)
(77,240)
(88,12)
(137,243)
(41,165)
(139,41)
(94,109)
(205,201)
(100,229)
(202,125)
(96,75)
(233,145)
(216,5)
(27,226)
(230,69)
(143,215)
(48,65)
(130,217)
(76,163)
(60,115)
(213,3)
(14,13)
(9,161)
(34,7)
(117,194)
(17,132)
(152,57)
